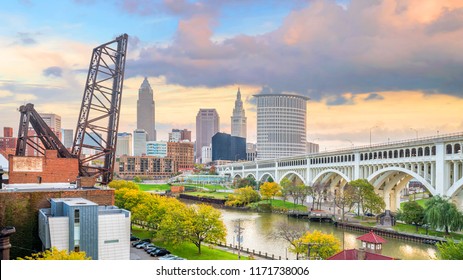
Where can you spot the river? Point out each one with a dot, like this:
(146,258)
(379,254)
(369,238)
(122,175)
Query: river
(258,228)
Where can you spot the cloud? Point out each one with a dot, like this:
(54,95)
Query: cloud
(26,38)
(53,71)
(320,50)
(340,100)
(373,96)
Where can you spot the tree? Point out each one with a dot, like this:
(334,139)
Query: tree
(441,213)
(241,183)
(412,213)
(320,244)
(345,200)
(270,179)
(243,196)
(286,186)
(450,250)
(55,254)
(291,233)
(204,225)
(121,184)
(137,179)
(318,192)
(269,190)
(366,198)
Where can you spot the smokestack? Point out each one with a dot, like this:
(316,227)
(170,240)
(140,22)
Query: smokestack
(361,254)
(5,244)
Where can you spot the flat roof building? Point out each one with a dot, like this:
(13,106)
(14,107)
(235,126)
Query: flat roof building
(78,224)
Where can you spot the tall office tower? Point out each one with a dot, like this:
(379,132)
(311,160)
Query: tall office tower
(54,122)
(178,135)
(238,119)
(67,137)
(139,142)
(7,132)
(124,144)
(207,125)
(145,110)
(281,125)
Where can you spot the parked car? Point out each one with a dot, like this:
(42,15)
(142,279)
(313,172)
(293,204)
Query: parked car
(142,245)
(149,246)
(135,243)
(168,257)
(151,249)
(134,238)
(159,253)
(368,214)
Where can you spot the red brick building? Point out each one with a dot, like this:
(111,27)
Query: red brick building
(182,153)
(48,169)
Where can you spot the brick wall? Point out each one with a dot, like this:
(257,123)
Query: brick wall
(54,169)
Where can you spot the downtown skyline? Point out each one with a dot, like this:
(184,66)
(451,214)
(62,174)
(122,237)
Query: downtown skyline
(386,70)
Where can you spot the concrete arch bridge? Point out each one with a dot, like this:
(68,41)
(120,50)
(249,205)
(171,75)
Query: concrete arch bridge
(436,162)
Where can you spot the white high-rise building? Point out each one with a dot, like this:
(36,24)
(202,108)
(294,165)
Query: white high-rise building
(124,144)
(145,110)
(281,125)
(238,119)
(67,137)
(139,142)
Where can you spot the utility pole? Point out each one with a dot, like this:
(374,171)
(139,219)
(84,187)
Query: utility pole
(239,235)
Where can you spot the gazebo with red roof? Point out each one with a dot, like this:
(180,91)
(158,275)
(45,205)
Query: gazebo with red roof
(372,242)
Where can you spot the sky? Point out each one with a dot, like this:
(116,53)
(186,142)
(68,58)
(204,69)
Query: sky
(389,69)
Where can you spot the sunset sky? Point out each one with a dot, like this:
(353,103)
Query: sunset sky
(392,68)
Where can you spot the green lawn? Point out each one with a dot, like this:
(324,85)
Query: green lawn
(419,201)
(188,250)
(209,187)
(412,229)
(209,194)
(153,187)
(284,204)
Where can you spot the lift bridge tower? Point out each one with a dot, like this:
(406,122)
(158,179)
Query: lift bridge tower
(98,121)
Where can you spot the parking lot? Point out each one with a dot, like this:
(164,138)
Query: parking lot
(140,254)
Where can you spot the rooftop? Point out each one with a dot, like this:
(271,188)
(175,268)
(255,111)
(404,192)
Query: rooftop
(282,94)
(352,254)
(74,201)
(371,237)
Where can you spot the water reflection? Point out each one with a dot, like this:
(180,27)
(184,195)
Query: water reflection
(258,229)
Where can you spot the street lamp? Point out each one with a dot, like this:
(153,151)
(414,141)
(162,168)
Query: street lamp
(370,132)
(350,142)
(415,131)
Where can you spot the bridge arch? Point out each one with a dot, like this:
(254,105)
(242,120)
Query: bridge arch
(324,172)
(250,175)
(264,177)
(455,188)
(425,183)
(389,181)
(237,176)
(293,173)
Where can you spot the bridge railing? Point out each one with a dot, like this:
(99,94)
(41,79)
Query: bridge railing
(445,137)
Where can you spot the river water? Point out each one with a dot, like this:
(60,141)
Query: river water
(258,228)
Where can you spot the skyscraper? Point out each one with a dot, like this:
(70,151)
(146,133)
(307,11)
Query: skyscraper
(145,110)
(67,137)
(207,125)
(124,144)
(281,125)
(238,119)
(139,142)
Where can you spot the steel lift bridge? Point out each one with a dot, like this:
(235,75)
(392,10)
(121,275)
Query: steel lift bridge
(98,121)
